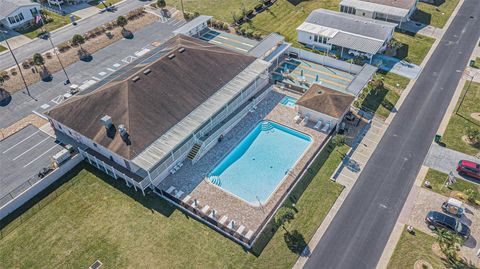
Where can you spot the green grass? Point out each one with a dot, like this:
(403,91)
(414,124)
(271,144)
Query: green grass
(98,4)
(2,48)
(92,216)
(381,102)
(437,181)
(411,248)
(415,47)
(220,9)
(428,14)
(462,119)
(58,21)
(477,63)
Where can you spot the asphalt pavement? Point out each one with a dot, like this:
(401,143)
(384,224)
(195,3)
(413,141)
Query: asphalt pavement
(39,45)
(360,230)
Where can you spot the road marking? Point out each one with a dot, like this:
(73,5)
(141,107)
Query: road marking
(86,84)
(141,52)
(172,21)
(382,205)
(96,78)
(116,65)
(102,73)
(30,149)
(39,156)
(44,106)
(129,59)
(19,142)
(111,70)
(57,100)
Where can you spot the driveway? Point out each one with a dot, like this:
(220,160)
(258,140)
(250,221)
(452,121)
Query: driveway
(15,39)
(446,160)
(23,155)
(428,200)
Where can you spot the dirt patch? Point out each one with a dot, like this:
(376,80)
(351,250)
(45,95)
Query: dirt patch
(421,264)
(468,141)
(438,251)
(475,116)
(32,119)
(92,45)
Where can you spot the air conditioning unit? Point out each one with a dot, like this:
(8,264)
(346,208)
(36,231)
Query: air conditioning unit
(106,121)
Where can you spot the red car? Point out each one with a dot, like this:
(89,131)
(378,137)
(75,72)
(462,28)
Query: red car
(468,168)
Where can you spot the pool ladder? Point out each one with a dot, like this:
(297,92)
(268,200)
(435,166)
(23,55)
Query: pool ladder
(266,126)
(215,180)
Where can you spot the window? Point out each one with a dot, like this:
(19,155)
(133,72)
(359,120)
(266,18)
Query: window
(69,132)
(59,126)
(315,38)
(34,11)
(11,20)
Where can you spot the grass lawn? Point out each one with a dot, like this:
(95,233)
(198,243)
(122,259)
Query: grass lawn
(476,65)
(2,48)
(382,101)
(411,248)
(220,9)
(415,47)
(428,14)
(437,181)
(462,119)
(98,3)
(58,21)
(92,216)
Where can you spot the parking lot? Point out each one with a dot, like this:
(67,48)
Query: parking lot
(229,41)
(23,155)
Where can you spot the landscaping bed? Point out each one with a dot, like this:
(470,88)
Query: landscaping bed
(95,40)
(435,15)
(92,216)
(459,189)
(412,248)
(414,46)
(464,121)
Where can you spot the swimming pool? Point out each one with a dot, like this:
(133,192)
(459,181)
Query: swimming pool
(288,101)
(256,166)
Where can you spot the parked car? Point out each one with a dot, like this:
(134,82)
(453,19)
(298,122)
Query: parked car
(453,207)
(436,220)
(468,168)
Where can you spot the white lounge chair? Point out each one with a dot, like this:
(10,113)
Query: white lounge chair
(305,120)
(318,125)
(249,235)
(178,194)
(297,118)
(205,209)
(231,225)
(213,214)
(240,229)
(194,203)
(186,199)
(223,220)
(170,190)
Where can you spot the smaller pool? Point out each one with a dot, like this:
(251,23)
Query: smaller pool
(288,101)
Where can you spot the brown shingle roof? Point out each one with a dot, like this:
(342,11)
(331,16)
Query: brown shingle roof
(326,101)
(156,102)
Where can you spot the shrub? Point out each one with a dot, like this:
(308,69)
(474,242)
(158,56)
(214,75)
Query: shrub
(4,75)
(13,71)
(63,47)
(249,32)
(38,59)
(25,64)
(471,195)
(98,30)
(135,13)
(122,21)
(78,40)
(48,55)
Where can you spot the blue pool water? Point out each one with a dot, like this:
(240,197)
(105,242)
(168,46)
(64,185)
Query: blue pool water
(288,101)
(255,167)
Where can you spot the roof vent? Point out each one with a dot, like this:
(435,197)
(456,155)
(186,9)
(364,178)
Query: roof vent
(181,50)
(135,78)
(106,121)
(147,71)
(171,56)
(319,92)
(123,133)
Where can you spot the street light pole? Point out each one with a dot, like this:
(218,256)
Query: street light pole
(15,59)
(183,10)
(54,50)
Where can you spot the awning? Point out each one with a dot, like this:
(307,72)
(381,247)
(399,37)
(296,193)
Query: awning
(317,29)
(356,42)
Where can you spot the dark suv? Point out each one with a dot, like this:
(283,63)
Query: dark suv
(437,220)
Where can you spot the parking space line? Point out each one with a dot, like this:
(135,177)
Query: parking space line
(30,149)
(57,100)
(111,70)
(38,157)
(19,142)
(96,78)
(116,65)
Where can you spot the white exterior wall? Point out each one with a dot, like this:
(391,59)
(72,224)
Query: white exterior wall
(25,11)
(308,38)
(364,13)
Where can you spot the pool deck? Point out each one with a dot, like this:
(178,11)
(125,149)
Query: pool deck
(190,178)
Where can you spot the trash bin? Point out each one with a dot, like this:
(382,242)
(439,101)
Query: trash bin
(438,138)
(472,63)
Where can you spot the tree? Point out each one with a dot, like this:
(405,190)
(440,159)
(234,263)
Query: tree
(378,84)
(78,40)
(284,215)
(161,4)
(38,60)
(448,243)
(473,134)
(122,22)
(471,195)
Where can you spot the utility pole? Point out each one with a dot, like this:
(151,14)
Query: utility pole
(16,62)
(183,10)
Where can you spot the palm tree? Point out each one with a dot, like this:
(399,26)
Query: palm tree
(284,215)
(161,4)
(122,22)
(448,242)
(38,60)
(78,40)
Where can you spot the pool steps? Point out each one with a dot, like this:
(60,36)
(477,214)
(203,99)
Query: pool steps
(266,126)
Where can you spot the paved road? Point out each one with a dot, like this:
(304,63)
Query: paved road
(358,233)
(105,62)
(66,33)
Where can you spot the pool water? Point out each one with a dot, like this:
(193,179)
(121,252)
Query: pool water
(256,166)
(288,101)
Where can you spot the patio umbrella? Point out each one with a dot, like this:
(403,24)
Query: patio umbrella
(316,78)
